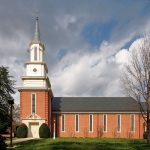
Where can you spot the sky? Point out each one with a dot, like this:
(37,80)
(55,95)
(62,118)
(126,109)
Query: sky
(87,41)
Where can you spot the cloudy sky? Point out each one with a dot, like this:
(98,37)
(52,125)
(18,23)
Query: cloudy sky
(87,41)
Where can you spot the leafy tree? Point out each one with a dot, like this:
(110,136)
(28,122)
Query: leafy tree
(3,145)
(6,89)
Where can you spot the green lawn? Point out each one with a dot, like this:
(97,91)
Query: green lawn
(83,144)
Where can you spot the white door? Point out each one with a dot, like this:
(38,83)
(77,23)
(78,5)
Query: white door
(34,130)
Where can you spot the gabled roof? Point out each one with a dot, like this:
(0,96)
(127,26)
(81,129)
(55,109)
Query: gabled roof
(94,104)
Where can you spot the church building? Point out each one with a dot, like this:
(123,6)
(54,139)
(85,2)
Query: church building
(111,117)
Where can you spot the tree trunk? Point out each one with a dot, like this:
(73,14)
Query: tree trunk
(148,129)
(148,120)
(148,112)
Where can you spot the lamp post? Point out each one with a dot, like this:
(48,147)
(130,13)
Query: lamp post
(54,131)
(11,102)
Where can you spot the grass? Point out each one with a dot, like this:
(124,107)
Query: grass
(83,143)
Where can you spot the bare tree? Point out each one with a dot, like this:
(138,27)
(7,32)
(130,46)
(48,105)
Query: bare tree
(136,78)
(16,113)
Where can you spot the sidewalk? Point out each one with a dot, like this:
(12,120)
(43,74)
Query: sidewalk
(18,140)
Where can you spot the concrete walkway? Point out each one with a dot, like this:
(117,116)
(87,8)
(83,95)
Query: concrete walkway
(18,140)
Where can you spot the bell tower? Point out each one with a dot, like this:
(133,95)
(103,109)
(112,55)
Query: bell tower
(35,93)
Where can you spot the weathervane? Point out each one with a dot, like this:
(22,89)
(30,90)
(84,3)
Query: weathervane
(35,9)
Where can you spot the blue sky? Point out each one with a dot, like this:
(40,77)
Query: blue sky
(95,32)
(84,40)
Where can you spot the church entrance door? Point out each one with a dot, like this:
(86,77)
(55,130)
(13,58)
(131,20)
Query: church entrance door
(34,130)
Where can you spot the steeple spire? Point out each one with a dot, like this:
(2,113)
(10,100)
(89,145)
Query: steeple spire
(36,39)
(37,31)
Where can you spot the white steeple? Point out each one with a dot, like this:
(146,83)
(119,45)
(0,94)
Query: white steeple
(36,68)
(36,46)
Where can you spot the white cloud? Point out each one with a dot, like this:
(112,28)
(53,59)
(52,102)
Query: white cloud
(83,71)
(64,21)
(12,54)
(88,74)
(16,70)
(122,56)
(92,74)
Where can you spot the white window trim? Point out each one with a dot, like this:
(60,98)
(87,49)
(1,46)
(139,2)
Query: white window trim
(92,122)
(31,102)
(78,123)
(61,122)
(131,122)
(40,55)
(120,123)
(106,123)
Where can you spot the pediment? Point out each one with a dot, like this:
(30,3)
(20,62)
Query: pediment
(33,116)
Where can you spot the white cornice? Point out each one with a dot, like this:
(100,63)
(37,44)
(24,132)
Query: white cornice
(33,88)
(34,77)
(98,112)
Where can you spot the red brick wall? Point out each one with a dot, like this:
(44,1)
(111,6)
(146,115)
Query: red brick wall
(98,126)
(43,100)
(43,109)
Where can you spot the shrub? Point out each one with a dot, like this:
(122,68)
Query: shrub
(15,131)
(44,131)
(17,127)
(145,135)
(22,131)
(2,143)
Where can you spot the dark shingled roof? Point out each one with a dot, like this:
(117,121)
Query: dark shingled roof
(94,104)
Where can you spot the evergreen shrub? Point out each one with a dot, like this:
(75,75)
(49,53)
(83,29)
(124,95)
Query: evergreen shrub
(22,131)
(44,131)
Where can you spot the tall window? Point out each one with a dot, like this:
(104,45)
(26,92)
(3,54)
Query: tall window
(63,122)
(132,122)
(105,122)
(77,123)
(35,53)
(33,103)
(118,123)
(91,123)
